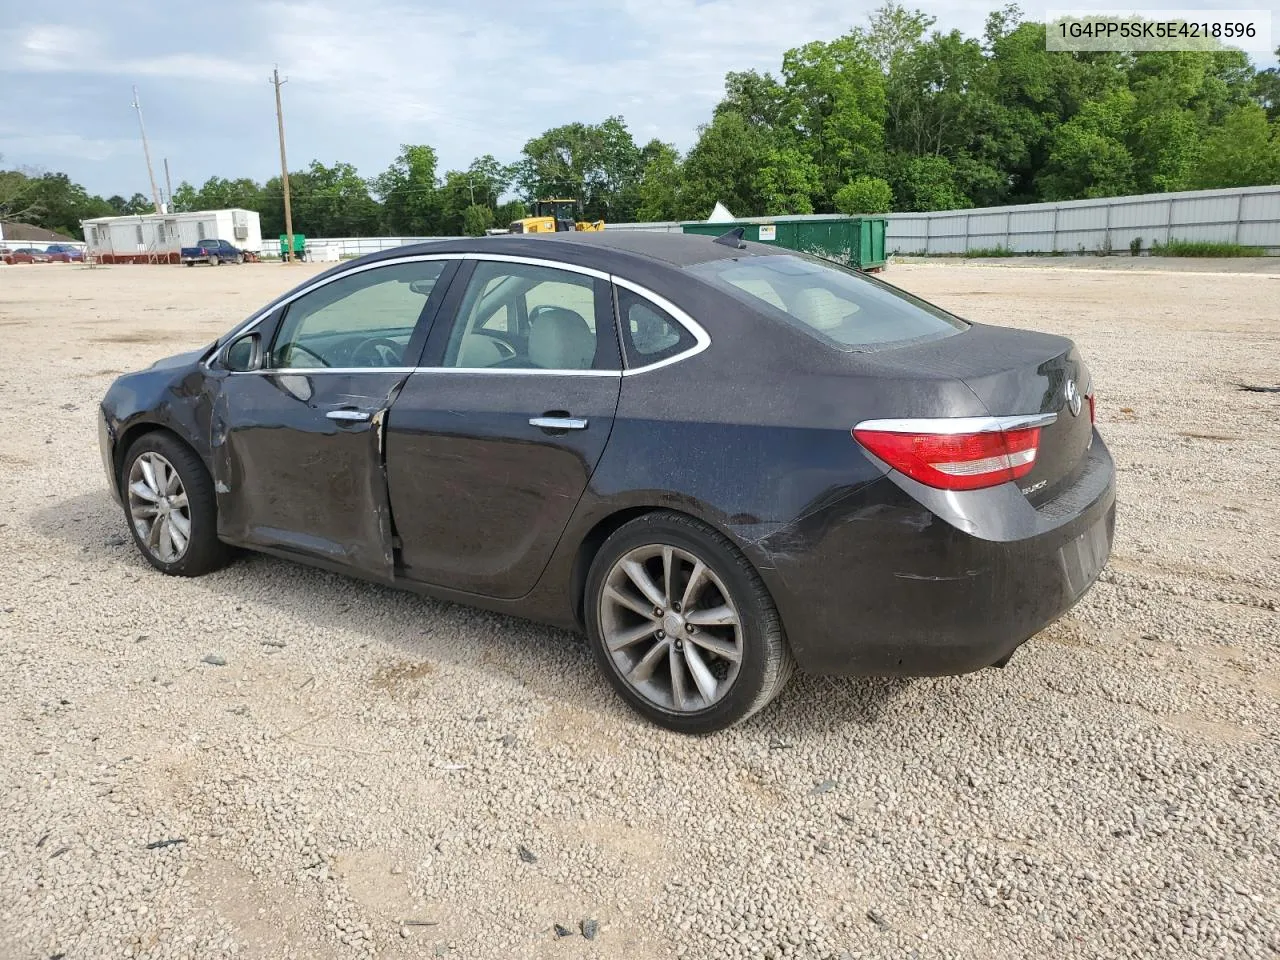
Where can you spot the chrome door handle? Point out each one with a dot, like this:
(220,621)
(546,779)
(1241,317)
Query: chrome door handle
(351,416)
(558,423)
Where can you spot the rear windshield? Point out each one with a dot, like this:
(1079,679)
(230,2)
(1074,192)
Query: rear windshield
(841,307)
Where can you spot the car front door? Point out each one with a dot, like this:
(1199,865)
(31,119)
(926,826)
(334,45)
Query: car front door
(492,443)
(297,425)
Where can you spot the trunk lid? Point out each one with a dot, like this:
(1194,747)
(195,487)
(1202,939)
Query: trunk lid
(1015,372)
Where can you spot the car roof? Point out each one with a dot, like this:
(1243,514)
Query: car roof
(604,250)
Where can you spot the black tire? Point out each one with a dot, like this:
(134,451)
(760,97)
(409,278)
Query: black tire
(204,552)
(766,659)
(191,263)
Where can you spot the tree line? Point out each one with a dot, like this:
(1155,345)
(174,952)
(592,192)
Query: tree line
(890,116)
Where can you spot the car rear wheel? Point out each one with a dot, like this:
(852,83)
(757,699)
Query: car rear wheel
(682,625)
(239,258)
(171,508)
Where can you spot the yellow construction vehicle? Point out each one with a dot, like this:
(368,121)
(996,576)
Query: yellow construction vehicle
(556,215)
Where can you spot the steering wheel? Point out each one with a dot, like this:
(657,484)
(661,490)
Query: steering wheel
(377,352)
(501,340)
(299,348)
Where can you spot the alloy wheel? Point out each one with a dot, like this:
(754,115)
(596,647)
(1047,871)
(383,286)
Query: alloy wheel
(158,507)
(671,628)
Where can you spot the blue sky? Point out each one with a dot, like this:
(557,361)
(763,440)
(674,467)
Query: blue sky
(367,75)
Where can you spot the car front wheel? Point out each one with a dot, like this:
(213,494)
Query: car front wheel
(682,625)
(171,508)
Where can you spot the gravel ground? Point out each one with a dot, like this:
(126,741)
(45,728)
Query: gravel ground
(340,770)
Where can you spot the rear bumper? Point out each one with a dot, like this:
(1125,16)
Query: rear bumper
(902,580)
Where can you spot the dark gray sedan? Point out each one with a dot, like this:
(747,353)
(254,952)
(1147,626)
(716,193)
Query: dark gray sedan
(717,459)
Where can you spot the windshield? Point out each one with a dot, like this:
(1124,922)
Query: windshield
(841,307)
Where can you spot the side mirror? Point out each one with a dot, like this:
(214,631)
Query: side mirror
(243,354)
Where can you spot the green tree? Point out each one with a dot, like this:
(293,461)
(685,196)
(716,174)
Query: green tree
(893,33)
(409,192)
(598,164)
(332,201)
(137,205)
(659,183)
(57,203)
(722,166)
(17,196)
(927,183)
(476,219)
(1244,151)
(1088,155)
(864,195)
(510,211)
(787,182)
(837,97)
(1265,90)
(186,197)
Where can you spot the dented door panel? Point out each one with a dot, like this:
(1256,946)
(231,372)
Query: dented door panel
(290,477)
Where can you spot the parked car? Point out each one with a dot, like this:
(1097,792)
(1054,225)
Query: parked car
(716,458)
(26,255)
(212,252)
(64,253)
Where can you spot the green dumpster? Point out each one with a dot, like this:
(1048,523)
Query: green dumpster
(853,241)
(299,247)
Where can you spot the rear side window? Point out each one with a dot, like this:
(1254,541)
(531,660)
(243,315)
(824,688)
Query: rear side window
(841,307)
(649,334)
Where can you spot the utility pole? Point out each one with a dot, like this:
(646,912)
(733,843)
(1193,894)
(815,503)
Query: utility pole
(168,185)
(146,152)
(284,165)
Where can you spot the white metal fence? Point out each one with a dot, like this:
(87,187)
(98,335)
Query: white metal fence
(1244,215)
(353,246)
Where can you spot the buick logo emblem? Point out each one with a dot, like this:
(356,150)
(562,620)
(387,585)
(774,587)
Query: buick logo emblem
(1073,398)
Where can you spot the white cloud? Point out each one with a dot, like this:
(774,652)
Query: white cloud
(14,145)
(53,48)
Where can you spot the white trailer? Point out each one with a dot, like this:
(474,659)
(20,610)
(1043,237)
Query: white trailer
(157,237)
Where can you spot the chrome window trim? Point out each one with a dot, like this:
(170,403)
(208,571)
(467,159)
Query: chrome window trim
(520,371)
(257,318)
(702,339)
(534,262)
(309,371)
(490,371)
(955,425)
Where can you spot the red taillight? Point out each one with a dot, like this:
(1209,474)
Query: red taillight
(934,453)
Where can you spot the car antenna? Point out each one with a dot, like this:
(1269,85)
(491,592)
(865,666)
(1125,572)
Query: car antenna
(733,238)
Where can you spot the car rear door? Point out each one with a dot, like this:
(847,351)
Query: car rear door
(297,437)
(492,442)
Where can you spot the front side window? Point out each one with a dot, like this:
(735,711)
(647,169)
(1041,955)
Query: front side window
(840,307)
(521,316)
(362,319)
